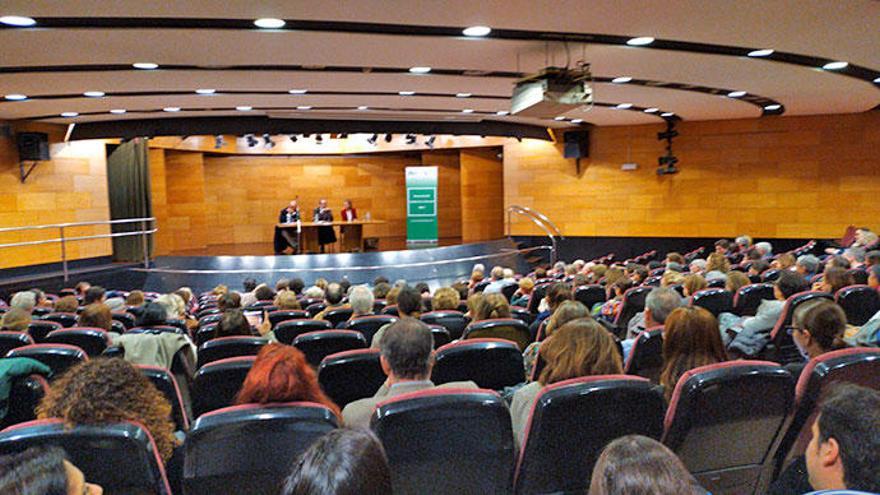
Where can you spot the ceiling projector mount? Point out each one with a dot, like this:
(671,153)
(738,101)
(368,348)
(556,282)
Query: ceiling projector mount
(553,91)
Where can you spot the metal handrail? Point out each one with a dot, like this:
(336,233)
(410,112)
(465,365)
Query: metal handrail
(63,240)
(541,220)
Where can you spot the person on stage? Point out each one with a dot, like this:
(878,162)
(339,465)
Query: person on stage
(326,234)
(287,236)
(349,213)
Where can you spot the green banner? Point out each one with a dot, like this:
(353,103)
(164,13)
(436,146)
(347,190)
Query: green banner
(421,204)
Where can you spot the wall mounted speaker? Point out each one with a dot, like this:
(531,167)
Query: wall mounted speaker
(32,146)
(577,144)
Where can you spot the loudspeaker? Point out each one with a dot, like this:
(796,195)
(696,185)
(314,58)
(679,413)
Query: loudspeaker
(577,144)
(32,146)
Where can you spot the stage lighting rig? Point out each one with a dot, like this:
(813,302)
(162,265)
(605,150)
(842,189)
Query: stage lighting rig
(410,139)
(319,139)
(293,138)
(219,142)
(267,141)
(430,141)
(372,139)
(388,138)
(251,140)
(667,162)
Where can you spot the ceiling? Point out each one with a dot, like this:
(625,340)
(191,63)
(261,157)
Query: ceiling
(357,54)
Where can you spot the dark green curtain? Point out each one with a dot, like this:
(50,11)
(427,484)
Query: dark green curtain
(128,185)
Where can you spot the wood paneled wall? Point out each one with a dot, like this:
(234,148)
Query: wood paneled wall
(482,195)
(71,187)
(448,191)
(769,177)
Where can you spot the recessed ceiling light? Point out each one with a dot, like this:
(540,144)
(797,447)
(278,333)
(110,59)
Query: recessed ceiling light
(561,117)
(17,20)
(835,65)
(145,65)
(877,81)
(502,112)
(477,31)
(667,114)
(577,121)
(94,94)
(298,91)
(363,107)
(206,91)
(406,93)
(736,94)
(69,115)
(463,95)
(772,107)
(640,41)
(621,80)
(304,107)
(651,110)
(244,108)
(171,109)
(761,53)
(16,97)
(624,106)
(118,111)
(420,70)
(468,110)
(269,23)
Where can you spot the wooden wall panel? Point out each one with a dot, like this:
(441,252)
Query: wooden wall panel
(482,195)
(163,240)
(448,191)
(770,177)
(185,197)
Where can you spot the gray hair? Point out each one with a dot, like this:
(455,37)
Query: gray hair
(314,292)
(764,247)
(497,272)
(809,262)
(857,253)
(361,299)
(662,301)
(699,263)
(25,300)
(743,241)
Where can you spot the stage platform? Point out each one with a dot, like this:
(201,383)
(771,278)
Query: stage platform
(437,266)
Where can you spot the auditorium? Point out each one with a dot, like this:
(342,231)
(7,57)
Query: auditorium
(598,247)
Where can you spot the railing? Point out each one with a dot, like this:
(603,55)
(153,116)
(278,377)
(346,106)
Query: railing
(63,240)
(542,222)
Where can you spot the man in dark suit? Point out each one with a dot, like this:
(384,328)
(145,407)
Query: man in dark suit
(326,235)
(285,237)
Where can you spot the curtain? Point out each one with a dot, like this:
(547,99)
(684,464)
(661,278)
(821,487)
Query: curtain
(128,181)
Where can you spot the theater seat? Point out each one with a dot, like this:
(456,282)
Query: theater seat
(441,336)
(250,448)
(859,276)
(58,357)
(724,419)
(508,291)
(454,321)
(633,302)
(379,305)
(510,329)
(122,458)
(276,317)
(38,329)
(92,340)
(716,283)
(859,302)
(167,385)
(351,375)
(447,441)
(25,394)
(226,347)
(318,345)
(717,301)
(216,384)
(369,325)
(12,340)
(157,329)
(561,447)
(589,295)
(538,293)
(646,356)
(127,319)
(781,348)
(338,316)
(287,331)
(66,320)
(490,363)
(315,308)
(749,297)
(522,314)
(391,310)
(205,333)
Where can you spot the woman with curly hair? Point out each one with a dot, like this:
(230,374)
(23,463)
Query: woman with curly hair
(103,391)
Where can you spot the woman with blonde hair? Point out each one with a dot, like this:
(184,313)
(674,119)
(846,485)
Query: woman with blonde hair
(693,284)
(491,306)
(717,262)
(566,311)
(736,280)
(690,339)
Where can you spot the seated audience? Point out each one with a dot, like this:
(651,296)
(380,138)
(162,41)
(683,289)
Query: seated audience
(220,290)
(409,305)
(722,247)
(322,283)
(360,298)
(281,374)
(671,277)
(283,284)
(579,348)
(690,340)
(333,299)
(817,327)
(472,302)
(697,266)
(868,334)
(506,278)
(66,304)
(638,465)
(342,462)
(43,471)
(235,323)
(25,300)
(476,278)
(407,357)
(491,306)
(757,267)
(462,288)
(95,294)
(555,295)
(675,257)
(807,265)
(743,243)
(445,299)
(81,288)
(247,295)
(736,280)
(41,300)
(565,312)
(96,316)
(263,294)
(15,320)
(380,290)
(286,300)
(765,249)
(838,261)
(784,261)
(872,258)
(833,279)
(658,304)
(855,256)
(596,273)
(717,266)
(229,301)
(692,284)
(297,285)
(637,273)
(155,314)
(611,308)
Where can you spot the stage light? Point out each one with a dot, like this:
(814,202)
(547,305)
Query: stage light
(667,114)
(69,115)
(145,65)
(419,70)
(468,110)
(502,112)
(267,141)
(94,94)
(293,138)
(772,107)
(406,93)
(624,106)
(372,139)
(363,107)
(269,23)
(16,97)
(219,142)
(298,91)
(477,31)
(410,139)
(388,138)
(463,95)
(244,108)
(319,139)
(559,118)
(577,121)
(651,110)
(430,141)
(640,41)
(736,94)
(304,108)
(118,111)
(17,20)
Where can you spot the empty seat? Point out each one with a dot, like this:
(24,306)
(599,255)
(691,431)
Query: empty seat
(25,394)
(178,323)
(58,357)
(318,345)
(287,331)
(337,316)
(369,325)
(216,384)
(441,336)
(500,328)
(590,295)
(276,317)
(723,420)
(221,447)
(633,302)
(782,348)
(749,297)
(859,302)
(351,375)
(490,363)
(66,320)
(92,340)
(646,356)
(38,329)
(226,347)
(122,457)
(167,385)
(126,319)
(717,301)
(445,441)
(12,340)
(454,321)
(560,447)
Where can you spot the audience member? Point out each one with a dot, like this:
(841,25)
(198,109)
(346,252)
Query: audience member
(722,247)
(506,279)
(555,295)
(692,284)
(869,333)
(380,290)
(491,306)
(717,265)
(736,280)
(638,465)
(25,300)
(233,323)
(135,298)
(611,308)
(445,299)
(229,301)
(523,293)
(409,305)
(297,285)
(743,243)
(671,277)
(360,298)
(43,471)
(675,257)
(690,339)
(41,300)
(286,300)
(247,295)
(872,258)
(283,284)
(15,320)
(784,261)
(697,266)
(638,274)
(757,267)
(155,314)
(565,312)
(95,294)
(462,288)
(66,304)
(314,292)
(333,300)
(838,261)
(263,293)
(833,279)
(476,278)
(817,327)
(765,249)
(658,304)
(96,315)
(807,265)
(81,288)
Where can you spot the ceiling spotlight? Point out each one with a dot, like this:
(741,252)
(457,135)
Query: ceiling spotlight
(17,20)
(293,138)
(244,108)
(410,139)
(304,108)
(145,65)
(468,110)
(502,112)
(772,107)
(621,80)
(877,80)
(219,142)
(298,91)
(363,107)
(206,91)
(477,31)
(640,41)
(430,141)
(388,138)
(344,135)
(835,65)
(577,121)
(624,106)
(267,141)
(463,95)
(561,117)
(651,110)
(69,115)
(319,139)
(406,93)
(16,97)
(420,70)
(269,23)
(117,111)
(667,114)
(760,53)
(372,139)
(251,140)
(736,94)
(171,109)
(94,94)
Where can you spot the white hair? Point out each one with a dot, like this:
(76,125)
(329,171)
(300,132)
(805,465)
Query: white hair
(764,247)
(361,299)
(314,292)
(173,304)
(25,300)
(509,273)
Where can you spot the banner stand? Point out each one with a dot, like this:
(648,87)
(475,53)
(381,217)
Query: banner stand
(421,205)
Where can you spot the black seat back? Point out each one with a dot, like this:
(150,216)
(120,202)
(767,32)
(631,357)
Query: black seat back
(510,329)
(318,345)
(749,297)
(490,363)
(38,329)
(167,385)
(454,321)
(276,317)
(441,336)
(538,293)
(66,320)
(783,349)
(315,308)
(859,302)
(216,384)
(633,302)
(338,316)
(92,340)
(226,347)
(717,301)
(522,314)
(351,375)
(127,319)
(369,325)
(646,356)
(58,357)
(25,394)
(12,340)
(590,295)
(288,330)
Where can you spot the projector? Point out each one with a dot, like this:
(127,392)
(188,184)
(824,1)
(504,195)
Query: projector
(552,92)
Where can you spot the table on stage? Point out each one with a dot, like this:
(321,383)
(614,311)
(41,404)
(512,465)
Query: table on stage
(349,235)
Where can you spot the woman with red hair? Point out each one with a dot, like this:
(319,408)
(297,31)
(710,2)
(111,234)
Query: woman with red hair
(281,374)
